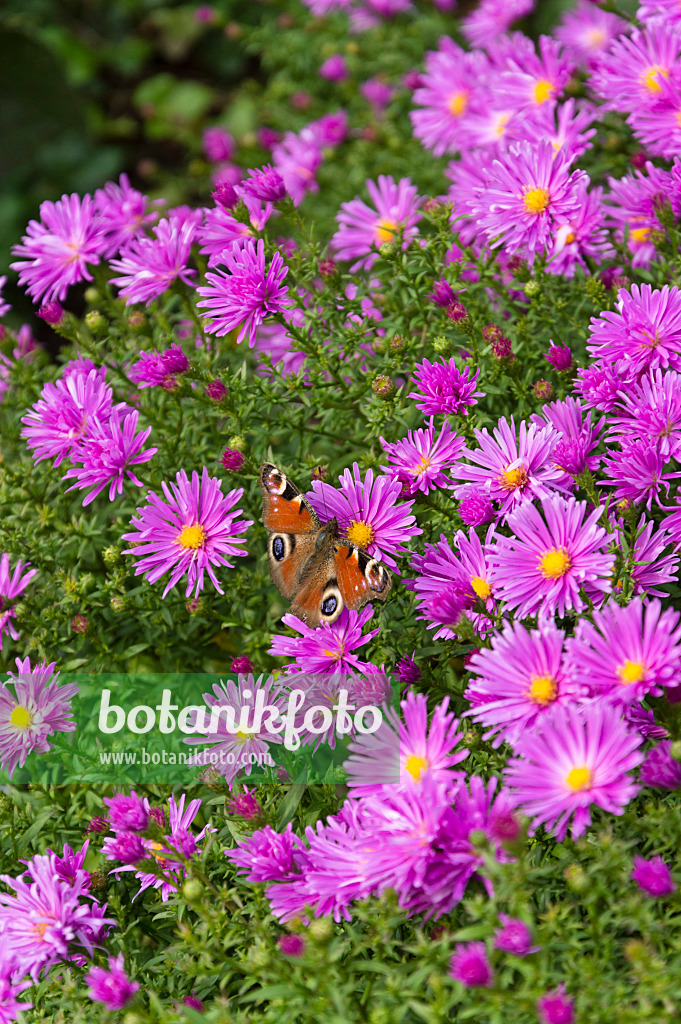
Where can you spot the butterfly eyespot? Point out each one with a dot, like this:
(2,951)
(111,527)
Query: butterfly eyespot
(281,546)
(332,605)
(376,576)
(274,480)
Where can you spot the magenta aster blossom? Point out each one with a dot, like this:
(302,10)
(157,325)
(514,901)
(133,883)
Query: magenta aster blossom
(632,72)
(645,333)
(266,855)
(627,652)
(219,232)
(148,266)
(10,1007)
(152,369)
(448,93)
(124,211)
(442,388)
(658,127)
(265,184)
(655,558)
(636,473)
(448,584)
(572,760)
(111,987)
(297,158)
(580,235)
(106,456)
(550,557)
(653,876)
(368,513)
(364,228)
(37,709)
(329,647)
(58,249)
(57,425)
(651,409)
(537,81)
(530,193)
(420,460)
(587,31)
(470,966)
(599,385)
(193,529)
(660,769)
(492,18)
(245,295)
(518,680)
(579,437)
(556,1007)
(514,937)
(127,847)
(404,752)
(218,145)
(560,357)
(334,68)
(230,747)
(634,204)
(665,11)
(510,467)
(128,813)
(12,584)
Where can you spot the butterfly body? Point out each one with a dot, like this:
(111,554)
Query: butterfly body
(312,563)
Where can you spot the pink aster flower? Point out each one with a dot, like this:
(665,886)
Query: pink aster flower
(128,813)
(246,294)
(632,72)
(442,388)
(59,247)
(580,235)
(599,385)
(634,204)
(448,92)
(334,68)
(518,680)
(511,467)
(556,1007)
(12,584)
(193,529)
(572,760)
(368,513)
(419,461)
(660,769)
(636,472)
(266,184)
(124,211)
(579,437)
(655,559)
(651,409)
(111,987)
(297,158)
(329,647)
(538,80)
(364,228)
(587,31)
(10,1007)
(266,855)
(626,653)
(38,707)
(665,11)
(470,966)
(405,752)
(106,456)
(218,145)
(529,194)
(237,736)
(178,838)
(219,232)
(4,306)
(492,18)
(514,937)
(653,876)
(551,556)
(148,266)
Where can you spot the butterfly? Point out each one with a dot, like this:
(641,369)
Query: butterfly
(310,562)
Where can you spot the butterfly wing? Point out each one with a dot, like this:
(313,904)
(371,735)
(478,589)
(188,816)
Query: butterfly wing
(292,527)
(342,576)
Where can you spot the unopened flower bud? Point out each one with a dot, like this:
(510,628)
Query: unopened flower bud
(137,321)
(456,312)
(96,323)
(232,460)
(216,390)
(79,624)
(242,664)
(328,267)
(52,313)
(383,387)
(543,389)
(192,890)
(237,442)
(532,287)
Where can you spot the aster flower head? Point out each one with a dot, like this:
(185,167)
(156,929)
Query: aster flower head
(645,332)
(219,231)
(651,409)
(368,512)
(334,68)
(492,18)
(328,648)
(537,81)
(475,509)
(587,31)
(420,460)
(470,965)
(193,529)
(627,652)
(127,847)
(660,769)
(599,385)
(239,740)
(265,184)
(518,680)
(38,707)
(447,96)
(556,1007)
(10,1007)
(404,752)
(59,248)
(443,388)
(449,584)
(149,266)
(653,876)
(107,454)
(297,158)
(637,472)
(266,856)
(514,937)
(550,557)
(362,228)
(512,467)
(531,191)
(111,987)
(560,357)
(634,205)
(128,813)
(632,72)
(246,294)
(124,211)
(12,583)
(573,760)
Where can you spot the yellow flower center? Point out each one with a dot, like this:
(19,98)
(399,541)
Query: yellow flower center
(361,534)
(579,778)
(500,124)
(481,587)
(650,79)
(20,717)
(569,238)
(639,234)
(153,849)
(631,672)
(416,765)
(40,929)
(543,91)
(457,103)
(554,564)
(536,200)
(304,172)
(192,536)
(542,690)
(242,736)
(510,479)
(385,231)
(422,465)
(595,38)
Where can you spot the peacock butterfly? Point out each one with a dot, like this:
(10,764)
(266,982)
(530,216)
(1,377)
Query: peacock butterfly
(310,562)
